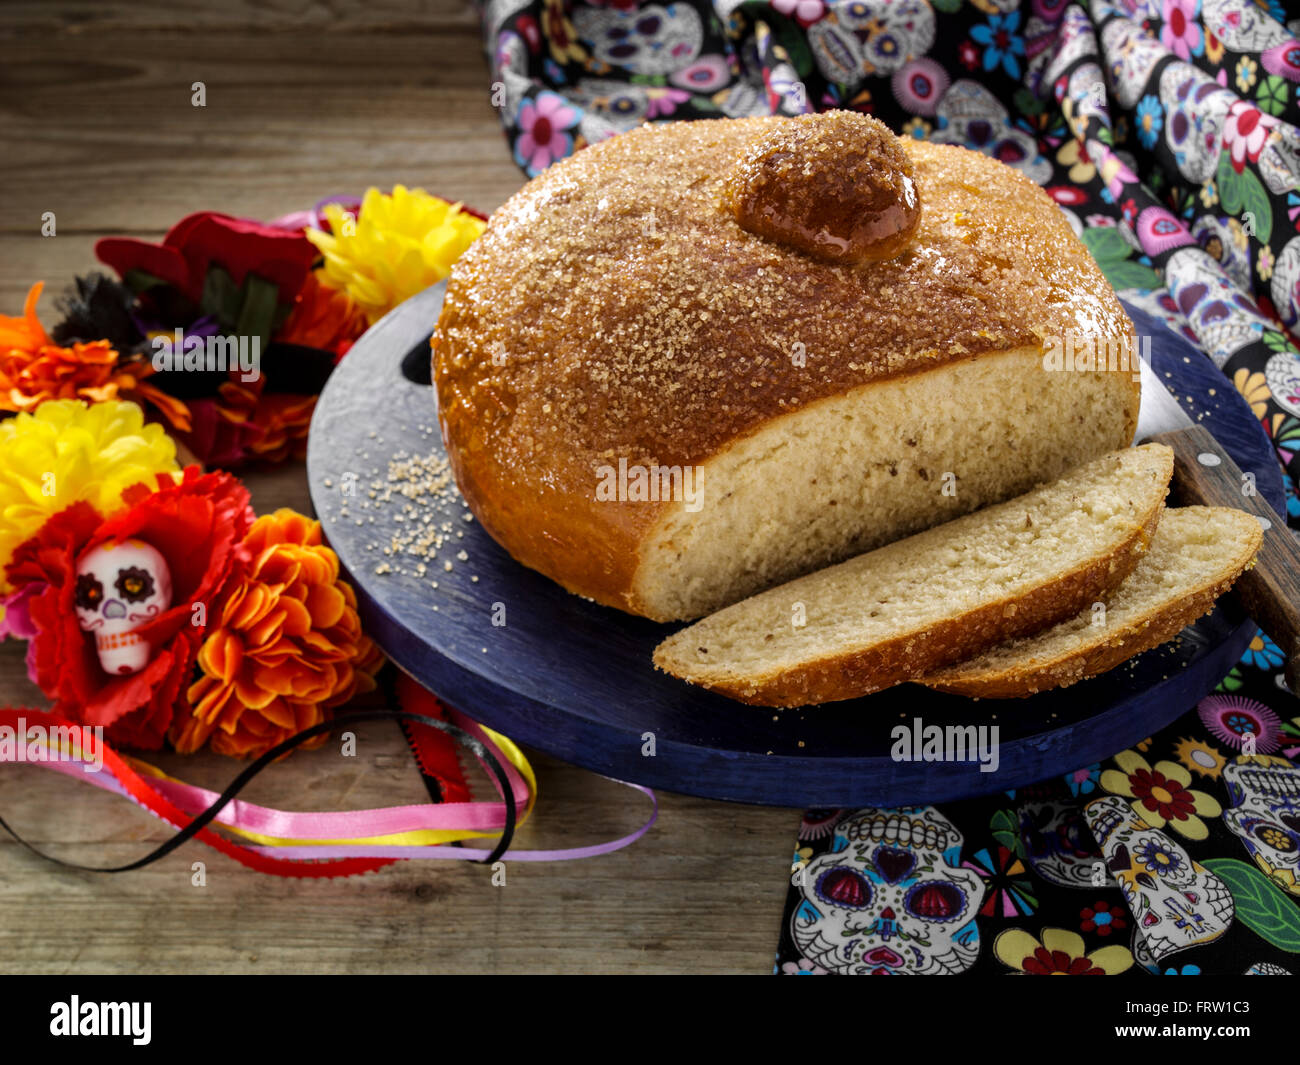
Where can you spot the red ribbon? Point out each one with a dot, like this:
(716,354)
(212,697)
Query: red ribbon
(143,794)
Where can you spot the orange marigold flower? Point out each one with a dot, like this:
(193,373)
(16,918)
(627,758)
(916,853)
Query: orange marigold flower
(34,369)
(286,649)
(324,318)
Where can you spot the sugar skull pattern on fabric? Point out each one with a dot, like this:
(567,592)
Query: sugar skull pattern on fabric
(1175,901)
(889,897)
(1168,133)
(1265,815)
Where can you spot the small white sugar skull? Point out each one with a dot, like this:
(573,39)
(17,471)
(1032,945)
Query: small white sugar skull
(1265,815)
(1282,372)
(1266,968)
(891,897)
(860,38)
(972,117)
(120,586)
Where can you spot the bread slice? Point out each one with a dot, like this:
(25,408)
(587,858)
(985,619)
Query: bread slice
(938,597)
(1196,555)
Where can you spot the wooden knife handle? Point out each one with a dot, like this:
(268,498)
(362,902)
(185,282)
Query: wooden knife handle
(1270,591)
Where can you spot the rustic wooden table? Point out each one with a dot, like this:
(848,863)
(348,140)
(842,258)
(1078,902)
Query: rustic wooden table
(306,99)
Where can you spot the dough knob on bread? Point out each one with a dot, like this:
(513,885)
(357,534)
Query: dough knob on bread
(837,186)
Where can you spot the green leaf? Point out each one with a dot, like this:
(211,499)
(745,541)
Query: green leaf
(1229,183)
(1255,201)
(220,297)
(138,281)
(1261,905)
(1106,245)
(257,309)
(1129,274)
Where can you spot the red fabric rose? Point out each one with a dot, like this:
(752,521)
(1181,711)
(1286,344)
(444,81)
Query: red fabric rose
(197,522)
(197,241)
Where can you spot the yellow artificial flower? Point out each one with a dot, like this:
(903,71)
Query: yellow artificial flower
(1238,231)
(560,34)
(1060,953)
(67,451)
(395,247)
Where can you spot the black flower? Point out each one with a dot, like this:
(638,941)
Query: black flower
(89,592)
(133,584)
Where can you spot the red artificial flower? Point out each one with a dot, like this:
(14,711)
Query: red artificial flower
(220,436)
(197,522)
(239,245)
(245,423)
(528,29)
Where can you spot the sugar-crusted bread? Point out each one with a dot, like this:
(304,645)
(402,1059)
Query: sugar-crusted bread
(1194,558)
(617,326)
(936,597)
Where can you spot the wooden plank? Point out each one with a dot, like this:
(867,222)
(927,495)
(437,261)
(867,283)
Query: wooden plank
(661,906)
(118,147)
(254,16)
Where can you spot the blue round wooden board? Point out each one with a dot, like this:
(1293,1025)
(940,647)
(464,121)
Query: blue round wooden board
(575,679)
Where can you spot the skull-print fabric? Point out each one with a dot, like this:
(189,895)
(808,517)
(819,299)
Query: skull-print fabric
(891,894)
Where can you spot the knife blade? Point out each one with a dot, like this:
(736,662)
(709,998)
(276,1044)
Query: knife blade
(1205,474)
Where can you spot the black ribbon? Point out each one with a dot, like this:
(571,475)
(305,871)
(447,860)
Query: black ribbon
(476,746)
